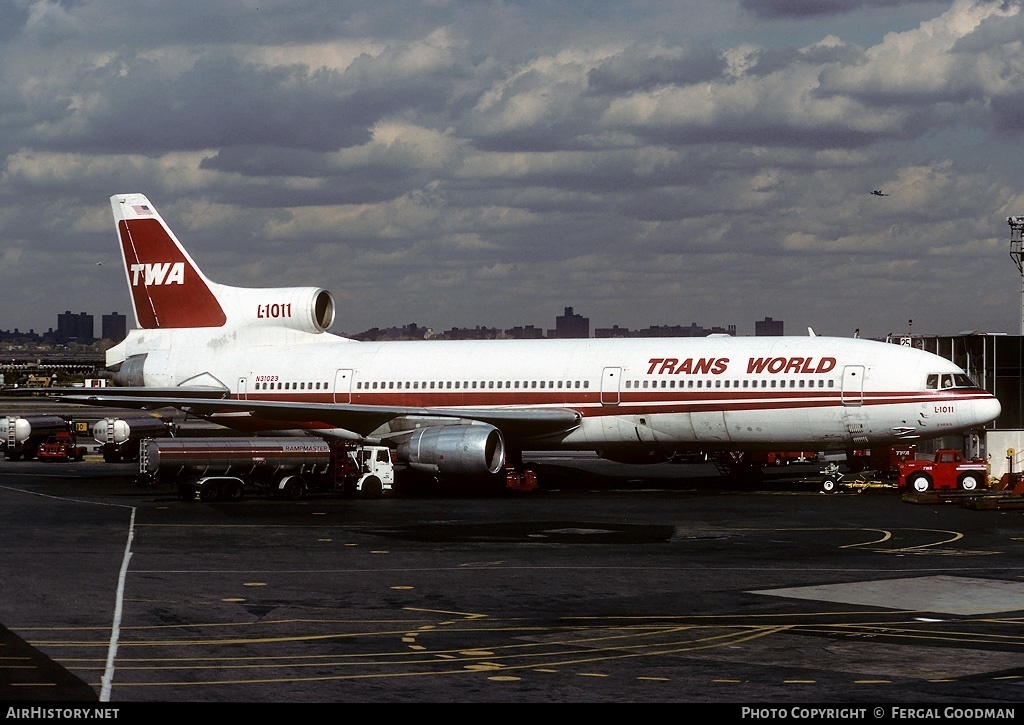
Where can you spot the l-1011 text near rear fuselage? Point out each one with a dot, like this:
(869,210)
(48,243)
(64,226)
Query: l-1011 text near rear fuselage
(262,360)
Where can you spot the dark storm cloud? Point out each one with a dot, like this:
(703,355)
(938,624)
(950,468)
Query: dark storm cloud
(219,101)
(637,69)
(780,9)
(491,162)
(769,60)
(13,16)
(1008,113)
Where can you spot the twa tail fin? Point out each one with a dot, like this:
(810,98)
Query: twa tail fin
(168,289)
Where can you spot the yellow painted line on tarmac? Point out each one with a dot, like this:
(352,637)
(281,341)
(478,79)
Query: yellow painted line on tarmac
(464,615)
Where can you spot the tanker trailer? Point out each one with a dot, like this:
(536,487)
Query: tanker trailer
(23,434)
(119,438)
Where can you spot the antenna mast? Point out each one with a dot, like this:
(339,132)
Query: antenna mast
(1017,255)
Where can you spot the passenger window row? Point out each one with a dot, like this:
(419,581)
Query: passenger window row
(473,385)
(636,384)
(290,386)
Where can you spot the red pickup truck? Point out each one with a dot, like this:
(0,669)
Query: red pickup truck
(948,469)
(60,447)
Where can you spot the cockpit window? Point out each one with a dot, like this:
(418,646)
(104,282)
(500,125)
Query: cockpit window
(945,380)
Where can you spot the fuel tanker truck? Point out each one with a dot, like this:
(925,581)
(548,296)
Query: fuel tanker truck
(22,435)
(119,438)
(227,469)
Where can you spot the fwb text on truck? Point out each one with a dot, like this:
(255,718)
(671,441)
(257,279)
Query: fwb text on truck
(226,469)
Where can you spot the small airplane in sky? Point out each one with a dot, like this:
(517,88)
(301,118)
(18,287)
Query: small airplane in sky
(878,192)
(261,360)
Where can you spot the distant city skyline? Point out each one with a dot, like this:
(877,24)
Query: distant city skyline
(76,327)
(81,327)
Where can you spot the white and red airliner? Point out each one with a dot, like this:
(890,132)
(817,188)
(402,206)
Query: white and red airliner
(262,360)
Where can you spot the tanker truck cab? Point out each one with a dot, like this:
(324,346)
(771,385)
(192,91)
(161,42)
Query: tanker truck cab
(374,470)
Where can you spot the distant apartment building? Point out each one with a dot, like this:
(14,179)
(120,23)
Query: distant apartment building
(471,333)
(114,327)
(570,325)
(75,328)
(768,328)
(412,331)
(528,332)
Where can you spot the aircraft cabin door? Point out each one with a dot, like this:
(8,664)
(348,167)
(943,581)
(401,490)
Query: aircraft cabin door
(241,390)
(343,386)
(610,386)
(853,385)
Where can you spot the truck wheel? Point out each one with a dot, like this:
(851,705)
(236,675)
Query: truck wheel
(293,488)
(969,482)
(210,492)
(372,487)
(920,483)
(232,491)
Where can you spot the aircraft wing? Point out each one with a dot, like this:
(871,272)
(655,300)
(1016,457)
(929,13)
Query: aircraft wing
(75,395)
(362,419)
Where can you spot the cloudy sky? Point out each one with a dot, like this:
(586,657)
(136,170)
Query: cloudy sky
(463,163)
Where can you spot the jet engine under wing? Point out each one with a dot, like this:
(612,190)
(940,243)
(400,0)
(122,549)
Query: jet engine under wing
(361,419)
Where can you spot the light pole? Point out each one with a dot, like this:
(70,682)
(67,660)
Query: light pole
(1017,255)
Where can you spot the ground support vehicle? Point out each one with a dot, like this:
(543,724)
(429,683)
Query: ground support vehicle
(226,469)
(833,481)
(525,480)
(781,458)
(948,469)
(22,435)
(885,461)
(62,446)
(1005,494)
(119,438)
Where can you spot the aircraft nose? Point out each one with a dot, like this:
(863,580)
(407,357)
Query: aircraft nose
(987,410)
